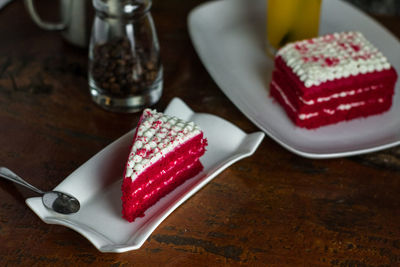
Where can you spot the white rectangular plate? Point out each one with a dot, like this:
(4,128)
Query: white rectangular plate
(229,37)
(97,184)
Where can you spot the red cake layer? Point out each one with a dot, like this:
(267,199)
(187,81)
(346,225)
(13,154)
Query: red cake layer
(371,107)
(366,86)
(161,177)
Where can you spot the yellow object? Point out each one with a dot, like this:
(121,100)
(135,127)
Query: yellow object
(291,20)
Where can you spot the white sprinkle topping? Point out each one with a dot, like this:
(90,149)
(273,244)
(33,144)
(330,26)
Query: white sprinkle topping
(157,135)
(331,57)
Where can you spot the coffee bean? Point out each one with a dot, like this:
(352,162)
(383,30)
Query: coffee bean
(119,70)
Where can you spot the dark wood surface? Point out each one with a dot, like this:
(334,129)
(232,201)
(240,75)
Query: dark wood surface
(274,208)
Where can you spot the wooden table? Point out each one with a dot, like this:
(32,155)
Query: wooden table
(273,208)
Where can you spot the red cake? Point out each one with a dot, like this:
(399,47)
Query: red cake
(333,78)
(164,154)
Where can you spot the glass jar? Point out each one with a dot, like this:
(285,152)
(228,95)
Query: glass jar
(125,70)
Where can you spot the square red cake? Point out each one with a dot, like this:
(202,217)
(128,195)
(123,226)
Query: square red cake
(333,78)
(165,153)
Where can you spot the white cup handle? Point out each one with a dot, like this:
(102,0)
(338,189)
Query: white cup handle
(42,24)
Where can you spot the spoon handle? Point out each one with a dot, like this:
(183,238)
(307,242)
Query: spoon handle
(9,175)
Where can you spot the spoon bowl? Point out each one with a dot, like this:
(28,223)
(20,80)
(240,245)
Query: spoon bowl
(60,202)
(54,200)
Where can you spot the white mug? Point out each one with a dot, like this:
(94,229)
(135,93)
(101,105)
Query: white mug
(76,20)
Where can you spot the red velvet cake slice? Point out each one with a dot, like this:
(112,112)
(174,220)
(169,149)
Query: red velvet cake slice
(332,78)
(164,154)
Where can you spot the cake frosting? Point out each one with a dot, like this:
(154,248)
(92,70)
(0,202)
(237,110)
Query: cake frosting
(156,136)
(333,56)
(165,153)
(332,78)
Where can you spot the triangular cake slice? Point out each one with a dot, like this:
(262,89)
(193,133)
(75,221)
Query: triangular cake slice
(165,153)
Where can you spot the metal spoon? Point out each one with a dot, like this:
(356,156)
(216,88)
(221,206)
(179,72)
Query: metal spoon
(54,200)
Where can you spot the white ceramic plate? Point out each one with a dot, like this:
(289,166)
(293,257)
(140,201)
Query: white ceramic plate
(229,36)
(97,184)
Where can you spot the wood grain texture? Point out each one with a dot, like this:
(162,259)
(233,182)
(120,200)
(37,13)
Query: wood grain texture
(274,208)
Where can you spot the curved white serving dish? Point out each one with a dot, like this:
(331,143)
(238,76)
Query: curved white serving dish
(97,184)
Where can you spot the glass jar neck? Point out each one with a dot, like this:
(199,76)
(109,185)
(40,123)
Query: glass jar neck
(122,8)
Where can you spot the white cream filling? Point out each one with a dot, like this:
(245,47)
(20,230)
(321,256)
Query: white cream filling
(333,111)
(340,95)
(306,116)
(283,95)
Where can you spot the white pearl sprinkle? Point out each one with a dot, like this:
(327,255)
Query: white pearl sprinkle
(333,57)
(155,138)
